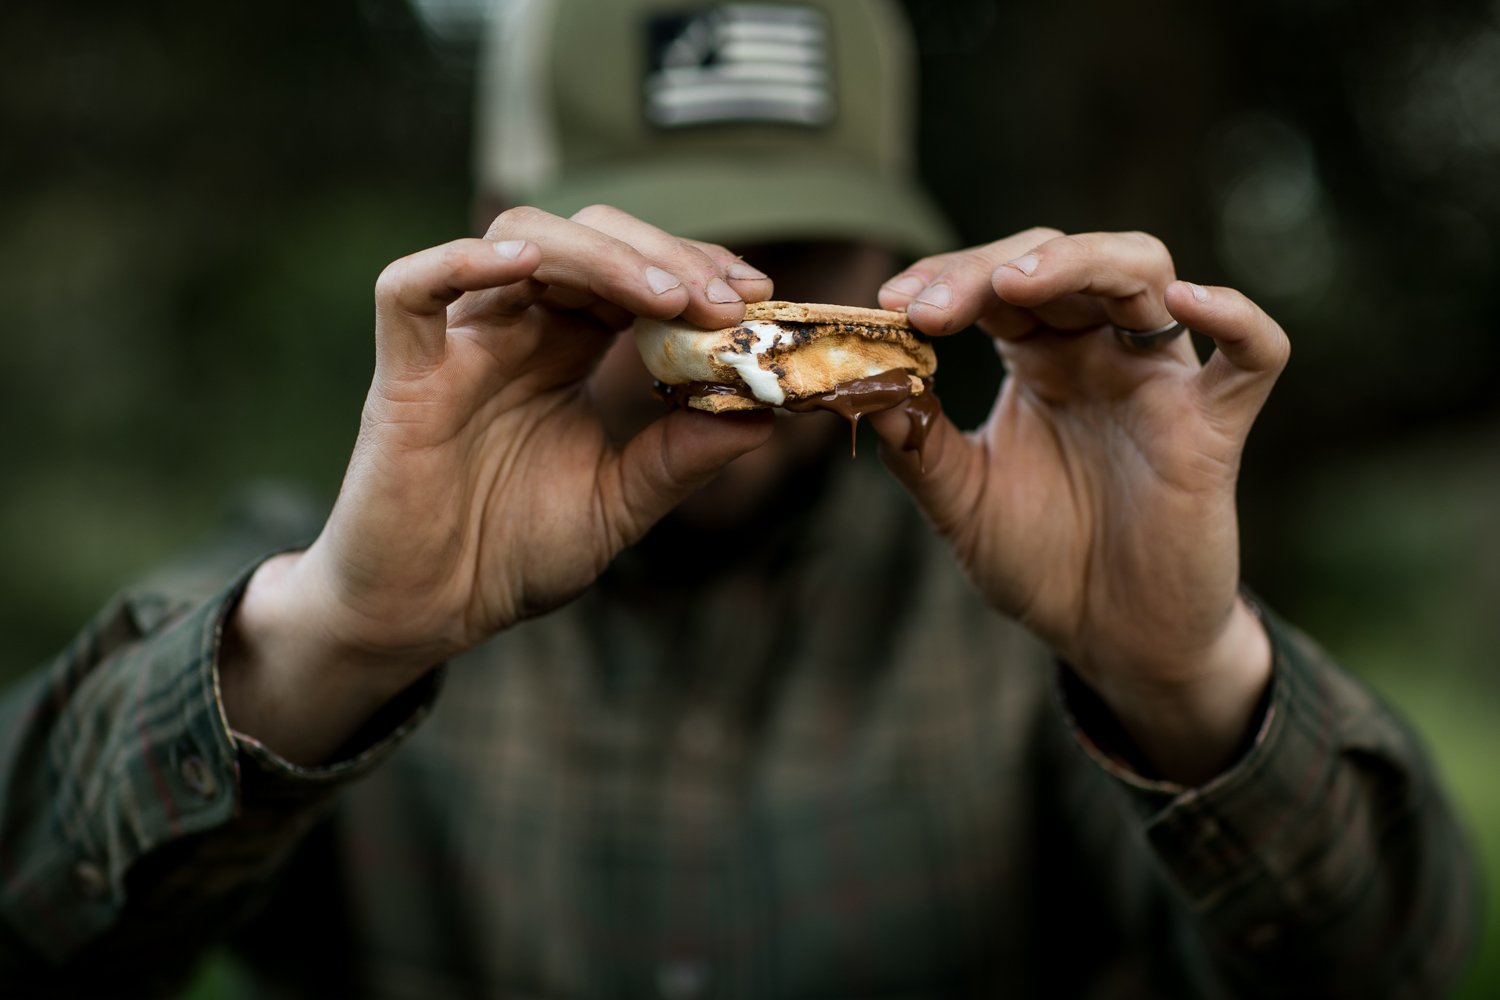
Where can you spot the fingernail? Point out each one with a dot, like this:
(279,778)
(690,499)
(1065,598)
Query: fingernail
(906,284)
(660,281)
(510,249)
(1199,292)
(1026,264)
(718,291)
(740,271)
(939,296)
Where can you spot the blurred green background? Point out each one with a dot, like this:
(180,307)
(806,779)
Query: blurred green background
(196,199)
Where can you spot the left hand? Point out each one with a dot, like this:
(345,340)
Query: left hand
(1096,503)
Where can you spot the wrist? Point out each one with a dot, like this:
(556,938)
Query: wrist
(1191,725)
(287,678)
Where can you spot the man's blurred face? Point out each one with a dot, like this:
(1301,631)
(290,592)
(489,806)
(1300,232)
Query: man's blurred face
(838,272)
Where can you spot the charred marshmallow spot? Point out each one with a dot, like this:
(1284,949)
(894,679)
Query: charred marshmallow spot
(763,384)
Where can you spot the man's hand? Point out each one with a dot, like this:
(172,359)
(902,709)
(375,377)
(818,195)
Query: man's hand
(1096,504)
(483,487)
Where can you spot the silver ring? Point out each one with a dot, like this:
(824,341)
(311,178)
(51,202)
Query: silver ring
(1145,339)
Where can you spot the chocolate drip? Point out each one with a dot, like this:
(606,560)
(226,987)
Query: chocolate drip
(922,411)
(853,399)
(850,400)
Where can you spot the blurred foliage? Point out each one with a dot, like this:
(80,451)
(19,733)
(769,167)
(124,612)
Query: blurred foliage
(197,198)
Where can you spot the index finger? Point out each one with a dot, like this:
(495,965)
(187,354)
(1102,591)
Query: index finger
(413,293)
(946,293)
(1127,273)
(588,265)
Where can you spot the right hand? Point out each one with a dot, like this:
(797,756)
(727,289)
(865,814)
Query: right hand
(483,487)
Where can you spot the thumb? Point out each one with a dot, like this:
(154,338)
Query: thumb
(944,477)
(672,458)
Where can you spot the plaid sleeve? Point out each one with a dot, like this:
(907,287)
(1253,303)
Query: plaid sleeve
(133,823)
(1326,862)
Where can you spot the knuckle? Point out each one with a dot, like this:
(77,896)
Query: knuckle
(596,214)
(686,259)
(518,217)
(712,251)
(1281,348)
(930,265)
(1072,245)
(1154,249)
(702,262)
(391,281)
(1268,340)
(1042,234)
(1151,246)
(454,259)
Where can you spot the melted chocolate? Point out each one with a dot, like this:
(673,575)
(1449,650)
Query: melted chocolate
(850,400)
(853,399)
(922,411)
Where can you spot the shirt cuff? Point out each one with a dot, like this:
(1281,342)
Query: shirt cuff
(1215,836)
(268,779)
(139,756)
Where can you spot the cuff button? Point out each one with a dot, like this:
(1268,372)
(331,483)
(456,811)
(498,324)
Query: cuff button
(198,776)
(90,879)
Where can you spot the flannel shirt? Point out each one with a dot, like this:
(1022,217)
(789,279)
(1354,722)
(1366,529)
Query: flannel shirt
(830,773)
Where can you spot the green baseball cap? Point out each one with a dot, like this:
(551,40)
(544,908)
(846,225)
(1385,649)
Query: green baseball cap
(734,122)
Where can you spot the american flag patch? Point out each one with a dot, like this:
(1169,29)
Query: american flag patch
(738,63)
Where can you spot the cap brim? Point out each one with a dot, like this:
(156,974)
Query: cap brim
(743,202)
